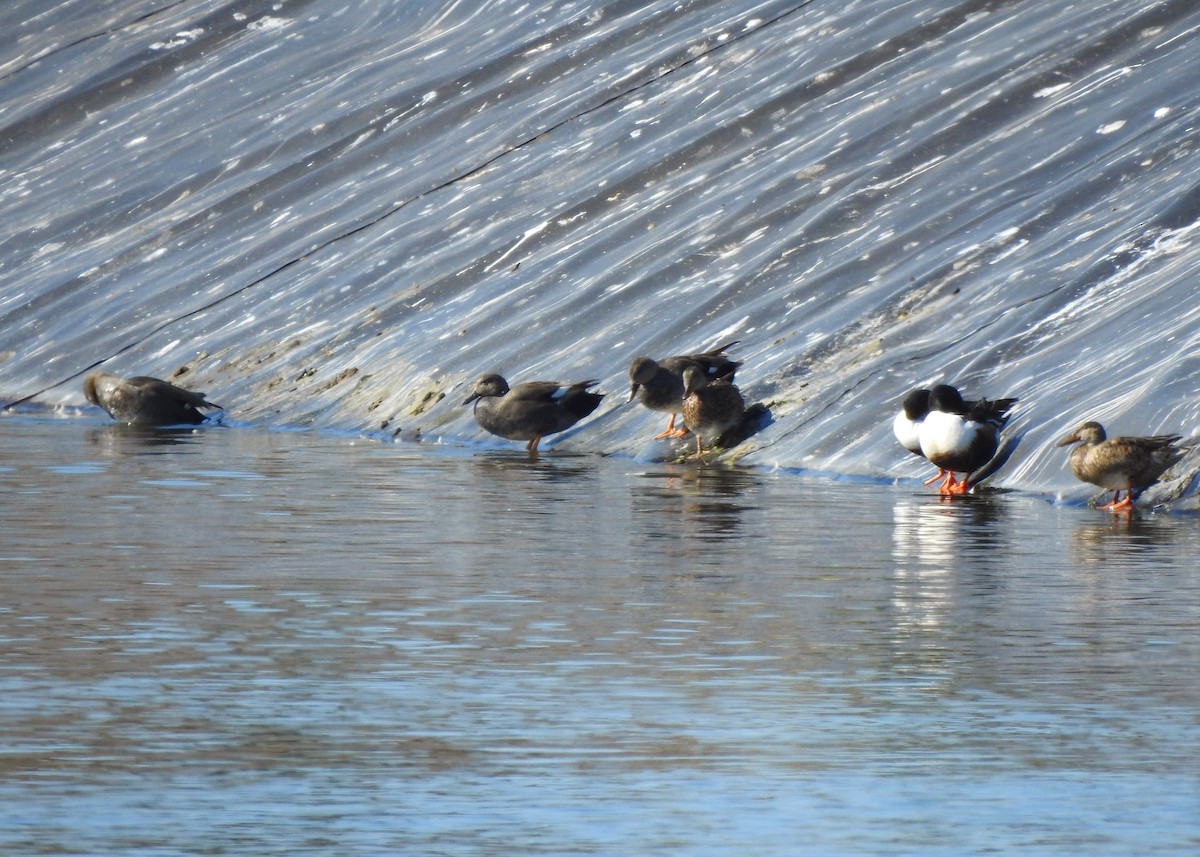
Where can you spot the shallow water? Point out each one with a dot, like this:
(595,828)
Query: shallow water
(268,642)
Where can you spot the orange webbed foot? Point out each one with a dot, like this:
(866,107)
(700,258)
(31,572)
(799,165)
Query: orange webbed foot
(670,430)
(1117,507)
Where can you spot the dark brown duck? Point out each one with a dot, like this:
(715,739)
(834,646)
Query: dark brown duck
(658,384)
(531,410)
(145,401)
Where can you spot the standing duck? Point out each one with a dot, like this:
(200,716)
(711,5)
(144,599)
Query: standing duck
(1117,464)
(958,436)
(907,424)
(659,384)
(145,401)
(709,407)
(532,410)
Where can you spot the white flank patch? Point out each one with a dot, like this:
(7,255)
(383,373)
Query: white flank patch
(943,433)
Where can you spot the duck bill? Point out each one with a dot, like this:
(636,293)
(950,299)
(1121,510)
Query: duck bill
(470,398)
(1068,440)
(633,391)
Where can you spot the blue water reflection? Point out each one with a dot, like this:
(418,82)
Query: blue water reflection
(243,641)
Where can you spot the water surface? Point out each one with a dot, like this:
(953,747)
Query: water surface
(240,641)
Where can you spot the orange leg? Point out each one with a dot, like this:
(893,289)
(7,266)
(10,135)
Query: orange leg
(1113,502)
(699,448)
(533,445)
(1125,505)
(949,485)
(935,477)
(671,431)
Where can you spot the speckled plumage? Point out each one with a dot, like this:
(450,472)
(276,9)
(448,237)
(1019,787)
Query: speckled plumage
(710,408)
(658,385)
(531,410)
(145,401)
(1118,464)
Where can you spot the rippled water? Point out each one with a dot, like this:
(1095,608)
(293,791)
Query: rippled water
(237,641)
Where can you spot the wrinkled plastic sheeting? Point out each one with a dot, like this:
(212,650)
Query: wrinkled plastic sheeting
(339,214)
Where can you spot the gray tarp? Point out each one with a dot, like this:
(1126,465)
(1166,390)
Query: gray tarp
(333,213)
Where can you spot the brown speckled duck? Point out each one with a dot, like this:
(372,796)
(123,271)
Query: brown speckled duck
(532,410)
(1129,464)
(709,407)
(145,401)
(659,384)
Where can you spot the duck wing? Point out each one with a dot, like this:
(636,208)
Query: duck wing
(158,387)
(550,392)
(992,411)
(714,363)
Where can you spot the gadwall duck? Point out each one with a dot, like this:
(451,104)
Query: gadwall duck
(659,384)
(959,436)
(710,407)
(532,410)
(145,401)
(1117,464)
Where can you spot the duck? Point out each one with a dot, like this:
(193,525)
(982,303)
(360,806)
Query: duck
(145,401)
(907,424)
(658,384)
(1129,464)
(710,406)
(531,410)
(959,436)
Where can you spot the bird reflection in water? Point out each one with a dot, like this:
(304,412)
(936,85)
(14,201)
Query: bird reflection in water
(948,532)
(122,439)
(505,466)
(686,506)
(510,485)
(942,553)
(1135,536)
